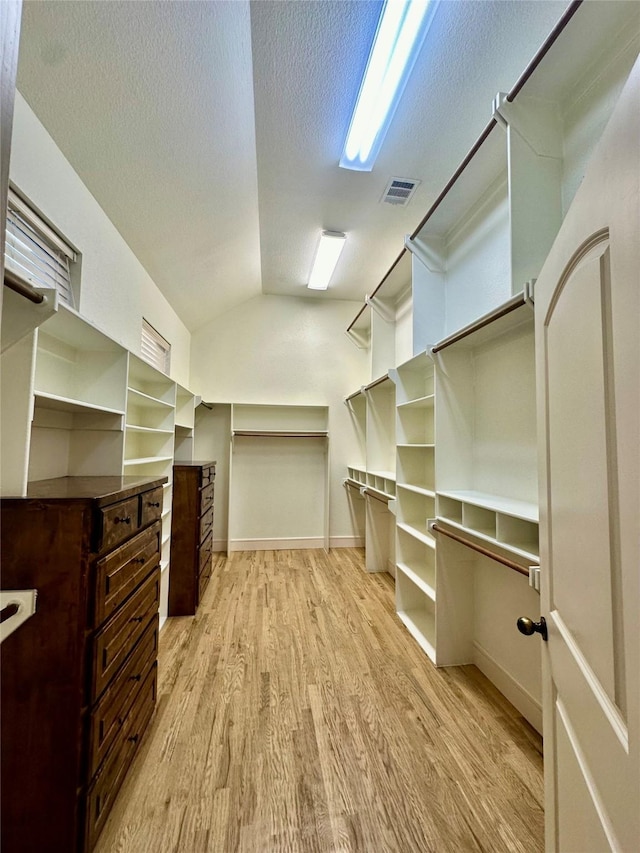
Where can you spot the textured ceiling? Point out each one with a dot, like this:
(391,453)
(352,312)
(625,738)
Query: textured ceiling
(210,132)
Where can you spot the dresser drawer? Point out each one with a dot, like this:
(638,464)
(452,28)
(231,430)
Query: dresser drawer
(118,574)
(116,639)
(206,524)
(204,555)
(206,499)
(117,522)
(151,506)
(108,718)
(102,793)
(208,474)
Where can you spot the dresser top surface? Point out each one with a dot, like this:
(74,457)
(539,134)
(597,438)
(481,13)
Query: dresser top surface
(203,463)
(103,490)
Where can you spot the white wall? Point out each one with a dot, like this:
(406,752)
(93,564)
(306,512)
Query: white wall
(285,350)
(116,291)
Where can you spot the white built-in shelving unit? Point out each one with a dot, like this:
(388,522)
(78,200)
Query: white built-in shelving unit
(467,495)
(373,476)
(77,403)
(278,477)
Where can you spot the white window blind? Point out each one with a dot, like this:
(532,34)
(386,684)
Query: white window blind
(35,252)
(154,348)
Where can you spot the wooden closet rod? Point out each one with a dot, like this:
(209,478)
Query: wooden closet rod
(18,286)
(480,323)
(372,493)
(544,48)
(257,433)
(351,396)
(484,551)
(375,382)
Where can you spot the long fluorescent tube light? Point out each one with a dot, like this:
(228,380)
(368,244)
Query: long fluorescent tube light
(329,248)
(401,32)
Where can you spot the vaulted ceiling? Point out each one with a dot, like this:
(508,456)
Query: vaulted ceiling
(210,132)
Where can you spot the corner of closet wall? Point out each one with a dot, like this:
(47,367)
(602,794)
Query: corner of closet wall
(285,352)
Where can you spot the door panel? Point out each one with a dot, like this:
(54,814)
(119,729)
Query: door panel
(588,378)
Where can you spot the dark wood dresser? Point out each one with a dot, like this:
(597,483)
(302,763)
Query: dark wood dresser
(78,677)
(191,535)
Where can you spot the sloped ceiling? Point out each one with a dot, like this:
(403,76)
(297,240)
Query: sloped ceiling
(210,132)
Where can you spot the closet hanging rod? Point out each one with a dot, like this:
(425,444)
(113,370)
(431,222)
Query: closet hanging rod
(378,496)
(544,48)
(21,287)
(484,551)
(375,382)
(524,77)
(486,320)
(352,396)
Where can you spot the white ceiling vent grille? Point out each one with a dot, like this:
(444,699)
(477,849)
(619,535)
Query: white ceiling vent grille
(400,191)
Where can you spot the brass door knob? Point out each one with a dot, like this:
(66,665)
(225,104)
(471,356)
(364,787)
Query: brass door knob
(528,626)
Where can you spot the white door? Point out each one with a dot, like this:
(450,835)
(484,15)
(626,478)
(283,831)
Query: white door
(588,375)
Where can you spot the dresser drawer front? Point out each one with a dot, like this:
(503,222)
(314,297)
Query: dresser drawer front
(119,698)
(151,506)
(206,499)
(208,474)
(102,794)
(117,522)
(117,638)
(204,556)
(206,524)
(118,574)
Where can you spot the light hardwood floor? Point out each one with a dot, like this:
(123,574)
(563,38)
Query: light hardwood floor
(295,713)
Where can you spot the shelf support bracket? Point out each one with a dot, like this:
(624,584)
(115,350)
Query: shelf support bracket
(376,305)
(424,253)
(536,122)
(360,341)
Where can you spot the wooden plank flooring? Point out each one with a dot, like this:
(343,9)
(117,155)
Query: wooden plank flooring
(295,713)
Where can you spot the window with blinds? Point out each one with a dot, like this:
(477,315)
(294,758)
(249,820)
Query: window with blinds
(35,253)
(154,348)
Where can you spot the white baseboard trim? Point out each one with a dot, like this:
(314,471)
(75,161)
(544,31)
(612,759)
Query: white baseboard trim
(346,542)
(520,698)
(163,619)
(391,568)
(275,544)
(219,546)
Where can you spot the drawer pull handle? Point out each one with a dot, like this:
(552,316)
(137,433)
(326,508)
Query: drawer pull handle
(140,560)
(136,619)
(133,738)
(125,520)
(156,504)
(135,677)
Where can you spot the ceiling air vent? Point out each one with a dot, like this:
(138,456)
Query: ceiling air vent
(400,191)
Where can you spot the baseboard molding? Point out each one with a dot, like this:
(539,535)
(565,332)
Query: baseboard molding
(391,568)
(163,620)
(219,546)
(275,544)
(519,697)
(346,542)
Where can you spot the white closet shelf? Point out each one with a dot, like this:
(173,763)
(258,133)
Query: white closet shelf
(428,590)
(68,404)
(524,510)
(147,460)
(184,426)
(423,446)
(164,565)
(419,403)
(385,475)
(142,399)
(152,430)
(418,490)
(524,550)
(166,512)
(421,625)
(425,538)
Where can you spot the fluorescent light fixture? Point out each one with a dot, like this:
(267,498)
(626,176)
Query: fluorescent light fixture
(401,31)
(329,248)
